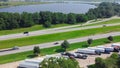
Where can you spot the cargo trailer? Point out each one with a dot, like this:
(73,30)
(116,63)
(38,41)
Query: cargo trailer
(88,51)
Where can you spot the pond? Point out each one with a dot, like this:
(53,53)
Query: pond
(52,7)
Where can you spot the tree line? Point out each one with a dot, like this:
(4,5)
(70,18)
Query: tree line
(111,62)
(10,21)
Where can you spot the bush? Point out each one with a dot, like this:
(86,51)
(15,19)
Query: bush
(110,38)
(59,63)
(114,56)
(65,45)
(36,50)
(47,24)
(89,41)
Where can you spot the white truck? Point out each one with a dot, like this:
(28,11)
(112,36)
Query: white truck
(102,50)
(110,49)
(30,63)
(88,51)
(116,47)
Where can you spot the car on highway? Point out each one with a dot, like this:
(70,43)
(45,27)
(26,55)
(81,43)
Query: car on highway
(56,43)
(15,48)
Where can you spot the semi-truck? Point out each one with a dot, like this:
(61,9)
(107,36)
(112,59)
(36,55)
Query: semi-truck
(110,49)
(102,50)
(116,47)
(88,51)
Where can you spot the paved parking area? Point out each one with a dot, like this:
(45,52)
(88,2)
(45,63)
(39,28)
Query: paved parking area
(82,62)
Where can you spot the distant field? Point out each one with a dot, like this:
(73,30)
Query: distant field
(112,21)
(19,3)
(39,27)
(107,22)
(33,28)
(55,37)
(52,50)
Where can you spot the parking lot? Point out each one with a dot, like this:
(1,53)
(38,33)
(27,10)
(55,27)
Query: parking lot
(82,62)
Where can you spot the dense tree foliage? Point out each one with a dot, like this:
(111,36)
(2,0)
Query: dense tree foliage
(36,50)
(104,10)
(16,20)
(89,41)
(59,63)
(65,45)
(111,62)
(110,38)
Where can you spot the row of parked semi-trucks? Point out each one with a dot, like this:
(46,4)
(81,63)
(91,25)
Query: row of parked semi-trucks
(82,53)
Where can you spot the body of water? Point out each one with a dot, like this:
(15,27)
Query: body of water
(53,7)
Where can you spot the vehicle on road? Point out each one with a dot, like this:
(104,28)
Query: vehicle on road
(56,43)
(15,48)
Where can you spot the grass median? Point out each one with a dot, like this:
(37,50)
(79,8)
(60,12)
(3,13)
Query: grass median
(112,21)
(56,37)
(52,50)
(33,28)
(40,27)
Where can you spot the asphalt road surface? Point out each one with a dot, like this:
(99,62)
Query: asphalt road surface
(57,30)
(51,44)
(50,31)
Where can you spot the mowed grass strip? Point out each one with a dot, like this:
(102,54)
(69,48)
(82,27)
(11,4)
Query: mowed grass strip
(112,21)
(33,28)
(40,27)
(55,37)
(52,50)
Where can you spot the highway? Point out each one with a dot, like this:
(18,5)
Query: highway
(51,44)
(50,31)
(58,30)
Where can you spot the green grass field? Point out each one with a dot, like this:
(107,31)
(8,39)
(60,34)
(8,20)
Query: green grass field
(112,21)
(55,37)
(39,27)
(52,50)
(107,22)
(33,28)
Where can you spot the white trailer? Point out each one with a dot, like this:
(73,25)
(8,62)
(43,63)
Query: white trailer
(88,51)
(30,63)
(115,44)
(102,50)
(111,49)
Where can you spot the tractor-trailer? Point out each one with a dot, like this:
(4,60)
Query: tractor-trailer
(102,50)
(88,51)
(110,49)
(116,47)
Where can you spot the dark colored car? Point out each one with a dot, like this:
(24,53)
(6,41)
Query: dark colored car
(56,43)
(15,48)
